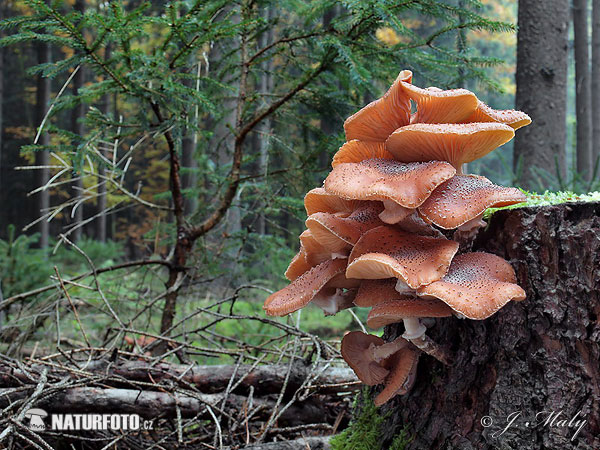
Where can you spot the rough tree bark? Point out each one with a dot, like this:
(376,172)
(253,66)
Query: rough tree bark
(542,87)
(583,99)
(536,356)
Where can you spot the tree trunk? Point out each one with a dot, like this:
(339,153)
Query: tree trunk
(541,88)
(536,357)
(583,99)
(263,129)
(44,88)
(101,222)
(595,82)
(77,116)
(189,179)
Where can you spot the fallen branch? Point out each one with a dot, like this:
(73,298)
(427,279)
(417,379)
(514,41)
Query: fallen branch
(267,379)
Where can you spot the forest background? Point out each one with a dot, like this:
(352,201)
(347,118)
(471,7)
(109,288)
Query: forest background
(153,144)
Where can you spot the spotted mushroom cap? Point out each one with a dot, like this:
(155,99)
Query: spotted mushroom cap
(402,366)
(456,143)
(319,200)
(384,252)
(465,197)
(476,286)
(405,306)
(303,289)
(373,292)
(377,120)
(439,106)
(408,185)
(339,234)
(356,151)
(513,118)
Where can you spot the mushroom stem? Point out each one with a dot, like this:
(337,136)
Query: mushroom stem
(381,352)
(415,333)
(413,327)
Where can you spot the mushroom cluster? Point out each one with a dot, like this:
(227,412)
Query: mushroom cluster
(377,233)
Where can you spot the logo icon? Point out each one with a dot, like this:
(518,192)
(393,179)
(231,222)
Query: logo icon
(36,419)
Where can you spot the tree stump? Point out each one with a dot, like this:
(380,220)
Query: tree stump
(527,377)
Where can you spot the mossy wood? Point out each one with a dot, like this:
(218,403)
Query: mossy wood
(536,356)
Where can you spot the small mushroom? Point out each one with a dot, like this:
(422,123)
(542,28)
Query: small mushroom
(414,260)
(319,200)
(439,106)
(377,120)
(402,374)
(512,118)
(401,187)
(461,201)
(476,286)
(455,143)
(339,234)
(323,284)
(356,151)
(365,354)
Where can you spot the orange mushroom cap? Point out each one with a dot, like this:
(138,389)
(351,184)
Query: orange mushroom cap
(373,292)
(319,200)
(465,197)
(513,118)
(402,366)
(476,285)
(384,253)
(377,120)
(408,185)
(339,234)
(396,310)
(356,151)
(304,288)
(438,106)
(456,143)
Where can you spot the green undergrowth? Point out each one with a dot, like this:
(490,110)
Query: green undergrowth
(548,198)
(364,431)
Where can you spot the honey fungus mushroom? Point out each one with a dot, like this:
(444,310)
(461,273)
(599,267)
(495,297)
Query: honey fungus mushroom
(414,261)
(476,286)
(402,367)
(324,285)
(456,143)
(461,201)
(366,355)
(401,187)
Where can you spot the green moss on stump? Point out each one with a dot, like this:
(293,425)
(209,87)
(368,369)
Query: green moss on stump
(364,432)
(548,198)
